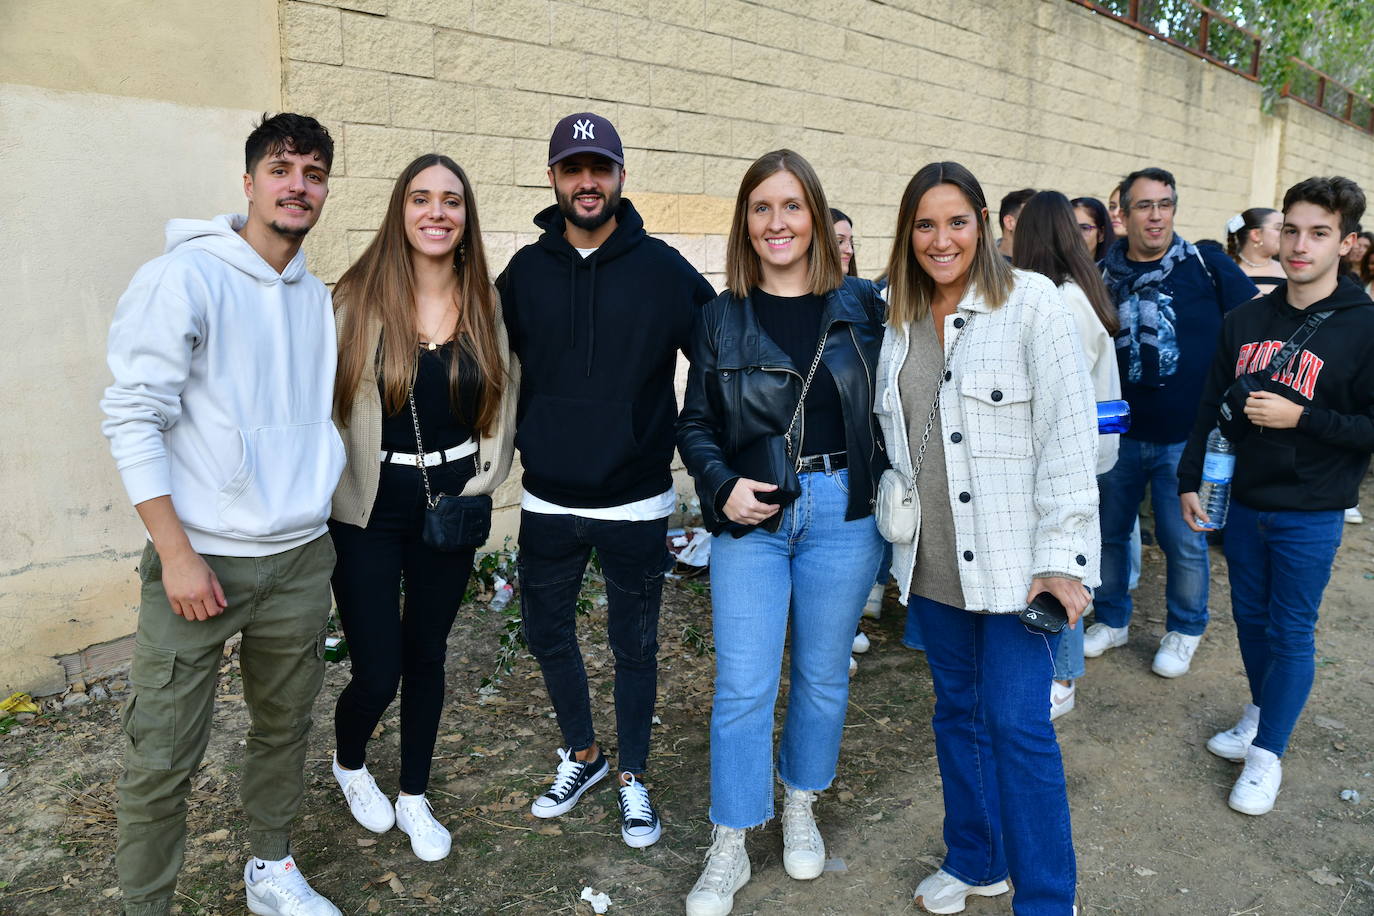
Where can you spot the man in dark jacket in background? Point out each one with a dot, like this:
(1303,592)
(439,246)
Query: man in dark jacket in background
(597,311)
(1300,454)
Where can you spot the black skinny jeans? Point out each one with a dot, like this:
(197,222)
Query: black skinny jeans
(391,647)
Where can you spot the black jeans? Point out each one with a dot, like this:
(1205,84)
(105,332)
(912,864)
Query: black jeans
(391,647)
(554,550)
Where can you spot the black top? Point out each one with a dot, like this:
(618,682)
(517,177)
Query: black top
(794,324)
(441,427)
(1318,465)
(597,339)
(1267,282)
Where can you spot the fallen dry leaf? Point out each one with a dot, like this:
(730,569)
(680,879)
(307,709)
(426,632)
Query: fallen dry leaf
(1324,877)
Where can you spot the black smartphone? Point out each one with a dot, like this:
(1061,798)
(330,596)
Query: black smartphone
(1045,612)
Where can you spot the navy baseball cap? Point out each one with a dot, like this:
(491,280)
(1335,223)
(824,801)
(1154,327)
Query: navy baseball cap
(585,132)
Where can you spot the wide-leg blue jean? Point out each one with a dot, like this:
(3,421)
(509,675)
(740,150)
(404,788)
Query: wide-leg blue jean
(1279,564)
(1006,807)
(809,578)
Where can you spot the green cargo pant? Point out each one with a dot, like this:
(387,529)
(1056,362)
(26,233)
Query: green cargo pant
(281,605)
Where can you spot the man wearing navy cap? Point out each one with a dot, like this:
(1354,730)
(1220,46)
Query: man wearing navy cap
(596,310)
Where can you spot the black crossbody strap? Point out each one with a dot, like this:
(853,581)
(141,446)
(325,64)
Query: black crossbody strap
(1295,343)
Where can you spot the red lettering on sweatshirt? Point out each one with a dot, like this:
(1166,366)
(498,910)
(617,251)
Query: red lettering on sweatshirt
(1300,374)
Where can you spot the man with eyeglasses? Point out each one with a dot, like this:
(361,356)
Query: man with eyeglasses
(1170,296)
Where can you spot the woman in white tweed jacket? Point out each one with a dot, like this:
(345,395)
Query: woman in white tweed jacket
(1008,492)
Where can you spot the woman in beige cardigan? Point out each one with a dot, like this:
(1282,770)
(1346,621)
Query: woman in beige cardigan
(424,399)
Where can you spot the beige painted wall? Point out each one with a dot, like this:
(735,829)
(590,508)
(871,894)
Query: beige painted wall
(112,120)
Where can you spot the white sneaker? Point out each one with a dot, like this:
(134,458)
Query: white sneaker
(429,839)
(1175,655)
(853,666)
(279,889)
(861,643)
(1235,741)
(944,893)
(1099,637)
(873,607)
(1353,516)
(727,870)
(1258,786)
(803,850)
(370,807)
(639,823)
(1061,699)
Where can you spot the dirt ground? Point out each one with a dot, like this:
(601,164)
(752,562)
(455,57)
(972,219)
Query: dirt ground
(1153,833)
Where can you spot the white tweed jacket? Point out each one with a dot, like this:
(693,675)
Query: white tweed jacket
(1020,427)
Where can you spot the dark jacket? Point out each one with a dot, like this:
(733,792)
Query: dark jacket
(597,339)
(1318,465)
(742,388)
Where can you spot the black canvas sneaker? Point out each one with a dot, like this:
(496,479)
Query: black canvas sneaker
(572,779)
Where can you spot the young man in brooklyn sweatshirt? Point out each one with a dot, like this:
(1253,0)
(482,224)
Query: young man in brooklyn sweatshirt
(223,357)
(597,311)
(1298,466)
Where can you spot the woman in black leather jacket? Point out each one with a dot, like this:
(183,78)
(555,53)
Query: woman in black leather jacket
(803,554)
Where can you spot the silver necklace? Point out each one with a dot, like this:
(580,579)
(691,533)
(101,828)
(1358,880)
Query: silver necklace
(1250,263)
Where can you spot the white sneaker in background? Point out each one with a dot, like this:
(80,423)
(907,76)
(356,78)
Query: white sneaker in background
(1258,785)
(861,643)
(944,893)
(1233,743)
(853,666)
(1353,516)
(1175,655)
(873,607)
(1061,699)
(368,805)
(1099,637)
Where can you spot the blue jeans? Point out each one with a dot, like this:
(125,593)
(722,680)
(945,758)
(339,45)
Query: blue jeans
(554,550)
(1279,565)
(821,567)
(1006,807)
(1068,658)
(1185,551)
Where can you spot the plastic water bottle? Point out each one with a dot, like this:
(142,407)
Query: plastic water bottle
(1217,469)
(1113,417)
(503,591)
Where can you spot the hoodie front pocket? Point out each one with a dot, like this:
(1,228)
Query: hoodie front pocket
(284,482)
(576,443)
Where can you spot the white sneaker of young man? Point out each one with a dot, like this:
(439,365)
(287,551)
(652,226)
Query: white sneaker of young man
(1099,637)
(429,839)
(1233,743)
(873,605)
(944,893)
(1258,785)
(1061,699)
(368,805)
(727,870)
(573,778)
(279,889)
(639,823)
(803,850)
(1175,655)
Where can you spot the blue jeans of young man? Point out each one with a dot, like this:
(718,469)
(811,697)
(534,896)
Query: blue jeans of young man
(1279,565)
(1006,807)
(554,550)
(1185,551)
(820,568)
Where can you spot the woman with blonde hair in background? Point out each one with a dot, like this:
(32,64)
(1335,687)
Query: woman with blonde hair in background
(425,400)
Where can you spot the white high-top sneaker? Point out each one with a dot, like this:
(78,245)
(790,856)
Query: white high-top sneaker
(1235,741)
(1258,786)
(727,870)
(803,850)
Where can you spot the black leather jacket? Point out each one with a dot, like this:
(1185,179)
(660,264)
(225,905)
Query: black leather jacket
(742,386)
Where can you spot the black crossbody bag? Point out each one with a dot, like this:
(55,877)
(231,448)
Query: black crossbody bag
(1231,417)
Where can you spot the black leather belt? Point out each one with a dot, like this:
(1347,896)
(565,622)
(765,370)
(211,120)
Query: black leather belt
(835,461)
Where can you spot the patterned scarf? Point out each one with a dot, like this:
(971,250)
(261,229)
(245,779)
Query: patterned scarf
(1144,308)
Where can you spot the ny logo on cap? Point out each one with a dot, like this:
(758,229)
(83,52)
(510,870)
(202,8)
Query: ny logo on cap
(583,130)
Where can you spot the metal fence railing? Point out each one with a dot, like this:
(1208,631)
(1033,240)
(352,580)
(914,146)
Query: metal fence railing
(1312,87)
(1191,26)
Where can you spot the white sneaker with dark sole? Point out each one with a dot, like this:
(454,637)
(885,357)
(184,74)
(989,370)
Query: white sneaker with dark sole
(574,777)
(944,893)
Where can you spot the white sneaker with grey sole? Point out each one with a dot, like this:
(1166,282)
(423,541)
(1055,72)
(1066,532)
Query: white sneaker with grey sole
(279,889)
(727,870)
(944,893)
(1175,655)
(1099,637)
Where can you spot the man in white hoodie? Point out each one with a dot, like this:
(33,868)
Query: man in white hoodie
(223,357)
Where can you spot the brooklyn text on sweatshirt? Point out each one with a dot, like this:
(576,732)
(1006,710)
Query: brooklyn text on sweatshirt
(597,338)
(223,380)
(1319,464)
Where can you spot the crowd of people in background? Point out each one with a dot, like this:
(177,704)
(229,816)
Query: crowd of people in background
(936,428)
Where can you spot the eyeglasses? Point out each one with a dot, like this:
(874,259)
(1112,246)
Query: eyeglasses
(1087,227)
(1146,206)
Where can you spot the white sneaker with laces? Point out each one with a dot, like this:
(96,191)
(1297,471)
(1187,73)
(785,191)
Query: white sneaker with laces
(873,606)
(1099,637)
(944,893)
(369,806)
(1353,516)
(1175,655)
(803,850)
(1258,785)
(1233,743)
(853,666)
(639,823)
(279,889)
(727,870)
(429,839)
(1061,699)
(861,643)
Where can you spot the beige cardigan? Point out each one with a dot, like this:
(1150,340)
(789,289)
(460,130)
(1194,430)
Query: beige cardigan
(362,438)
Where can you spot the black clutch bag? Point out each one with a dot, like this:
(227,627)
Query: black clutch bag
(766,460)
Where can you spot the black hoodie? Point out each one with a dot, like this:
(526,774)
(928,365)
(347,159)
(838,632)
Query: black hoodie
(597,339)
(1318,465)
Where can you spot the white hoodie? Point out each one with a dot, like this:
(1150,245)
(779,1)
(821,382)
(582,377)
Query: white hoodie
(223,383)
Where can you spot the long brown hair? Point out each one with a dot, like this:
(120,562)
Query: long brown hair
(380,286)
(742,269)
(910,288)
(1049,242)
